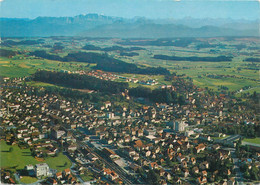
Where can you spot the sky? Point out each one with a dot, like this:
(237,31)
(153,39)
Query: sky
(176,9)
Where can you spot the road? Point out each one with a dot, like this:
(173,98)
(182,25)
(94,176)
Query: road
(75,173)
(239,174)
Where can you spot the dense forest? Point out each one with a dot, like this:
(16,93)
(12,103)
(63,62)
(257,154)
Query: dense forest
(129,54)
(194,59)
(104,62)
(91,47)
(7,53)
(157,95)
(88,57)
(44,54)
(208,45)
(79,81)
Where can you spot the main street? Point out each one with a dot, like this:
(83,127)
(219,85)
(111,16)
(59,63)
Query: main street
(239,174)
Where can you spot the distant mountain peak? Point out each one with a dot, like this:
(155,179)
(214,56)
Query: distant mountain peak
(98,25)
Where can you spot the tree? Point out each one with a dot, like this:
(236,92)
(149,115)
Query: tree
(140,171)
(168,97)
(34,153)
(254,173)
(246,174)
(45,155)
(181,100)
(152,177)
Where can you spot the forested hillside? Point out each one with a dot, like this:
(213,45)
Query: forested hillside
(79,81)
(104,62)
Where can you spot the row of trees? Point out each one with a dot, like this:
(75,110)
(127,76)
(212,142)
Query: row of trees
(252,60)
(181,42)
(208,45)
(194,59)
(129,54)
(123,67)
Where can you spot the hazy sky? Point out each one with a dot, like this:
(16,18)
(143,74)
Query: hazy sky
(235,9)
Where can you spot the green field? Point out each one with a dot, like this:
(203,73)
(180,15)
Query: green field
(28,179)
(237,73)
(87,177)
(19,158)
(25,67)
(254,141)
(40,84)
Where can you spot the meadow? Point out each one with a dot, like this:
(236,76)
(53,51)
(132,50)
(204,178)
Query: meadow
(254,140)
(235,74)
(28,179)
(19,158)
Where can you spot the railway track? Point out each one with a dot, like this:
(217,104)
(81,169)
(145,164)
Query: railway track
(121,173)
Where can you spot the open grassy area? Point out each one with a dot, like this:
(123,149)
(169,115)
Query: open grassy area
(237,73)
(58,162)
(255,140)
(40,84)
(28,179)
(19,158)
(17,67)
(87,177)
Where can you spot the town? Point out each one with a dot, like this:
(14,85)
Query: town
(195,141)
(127,92)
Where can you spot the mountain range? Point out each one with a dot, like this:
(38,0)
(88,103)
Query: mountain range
(94,25)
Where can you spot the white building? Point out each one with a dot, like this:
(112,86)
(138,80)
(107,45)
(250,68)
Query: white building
(42,170)
(110,115)
(57,133)
(149,131)
(177,125)
(180,126)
